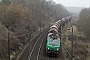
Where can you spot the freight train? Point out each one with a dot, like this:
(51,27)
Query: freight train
(53,43)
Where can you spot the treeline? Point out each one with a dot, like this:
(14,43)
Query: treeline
(24,16)
(84,21)
(14,12)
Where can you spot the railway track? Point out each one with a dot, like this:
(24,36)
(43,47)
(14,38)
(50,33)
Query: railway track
(37,51)
(44,56)
(68,54)
(36,46)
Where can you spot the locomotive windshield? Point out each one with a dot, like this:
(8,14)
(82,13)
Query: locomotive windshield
(54,42)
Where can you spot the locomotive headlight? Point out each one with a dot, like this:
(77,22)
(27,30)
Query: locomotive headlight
(48,48)
(57,49)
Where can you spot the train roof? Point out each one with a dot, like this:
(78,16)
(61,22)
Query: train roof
(53,30)
(53,36)
(54,26)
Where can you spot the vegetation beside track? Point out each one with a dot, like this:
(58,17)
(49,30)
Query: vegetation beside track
(81,44)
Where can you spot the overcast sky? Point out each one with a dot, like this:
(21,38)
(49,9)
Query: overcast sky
(79,3)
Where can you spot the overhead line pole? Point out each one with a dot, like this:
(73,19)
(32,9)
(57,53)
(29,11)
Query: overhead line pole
(29,39)
(61,28)
(8,43)
(40,25)
(72,52)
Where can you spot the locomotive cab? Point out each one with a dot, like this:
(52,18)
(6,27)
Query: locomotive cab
(53,44)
